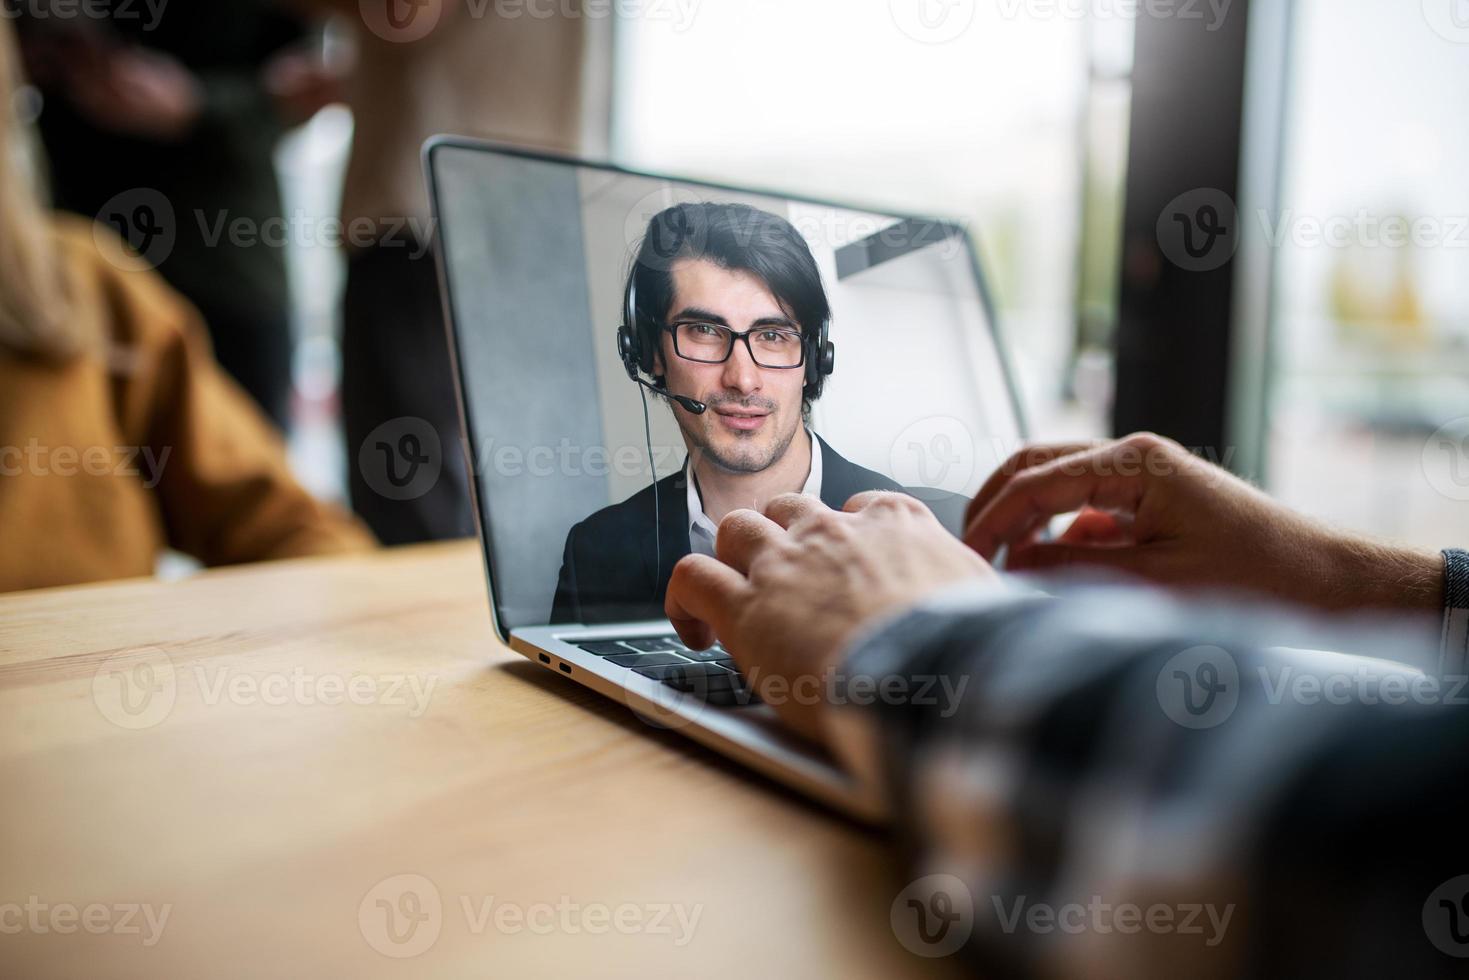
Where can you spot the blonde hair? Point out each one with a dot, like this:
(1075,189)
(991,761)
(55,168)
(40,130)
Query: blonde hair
(34,314)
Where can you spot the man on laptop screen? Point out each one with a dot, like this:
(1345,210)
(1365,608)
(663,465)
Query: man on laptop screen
(725,311)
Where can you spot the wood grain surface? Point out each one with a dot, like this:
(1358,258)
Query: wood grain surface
(332,767)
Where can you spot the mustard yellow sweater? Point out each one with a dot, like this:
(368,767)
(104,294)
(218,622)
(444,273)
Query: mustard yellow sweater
(112,455)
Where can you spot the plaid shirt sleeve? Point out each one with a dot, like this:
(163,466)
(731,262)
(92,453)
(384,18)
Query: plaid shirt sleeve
(1119,785)
(1454,646)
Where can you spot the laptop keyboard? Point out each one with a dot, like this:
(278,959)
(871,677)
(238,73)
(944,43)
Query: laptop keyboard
(709,675)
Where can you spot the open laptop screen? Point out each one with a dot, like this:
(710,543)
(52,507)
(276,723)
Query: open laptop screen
(731,289)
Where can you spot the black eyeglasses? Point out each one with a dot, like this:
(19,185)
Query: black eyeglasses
(779,348)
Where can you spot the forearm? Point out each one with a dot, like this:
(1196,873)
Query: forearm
(1069,774)
(1363,574)
(1367,575)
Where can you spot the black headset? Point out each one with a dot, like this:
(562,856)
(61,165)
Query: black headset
(637,341)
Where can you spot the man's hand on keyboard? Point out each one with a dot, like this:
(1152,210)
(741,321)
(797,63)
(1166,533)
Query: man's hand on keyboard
(792,587)
(1150,509)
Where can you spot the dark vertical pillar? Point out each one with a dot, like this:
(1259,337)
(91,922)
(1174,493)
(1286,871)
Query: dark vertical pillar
(1180,225)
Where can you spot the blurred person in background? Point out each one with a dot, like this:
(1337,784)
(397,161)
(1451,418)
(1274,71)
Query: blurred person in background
(512,73)
(1122,781)
(188,99)
(119,434)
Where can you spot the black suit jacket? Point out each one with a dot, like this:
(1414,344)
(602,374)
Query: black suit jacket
(609,569)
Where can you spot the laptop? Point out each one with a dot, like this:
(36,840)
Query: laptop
(876,358)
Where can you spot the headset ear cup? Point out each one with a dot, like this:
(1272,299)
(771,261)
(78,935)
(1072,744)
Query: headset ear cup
(817,369)
(636,346)
(647,347)
(627,351)
(820,362)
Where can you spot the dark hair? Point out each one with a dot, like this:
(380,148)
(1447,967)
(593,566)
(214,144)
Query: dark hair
(737,237)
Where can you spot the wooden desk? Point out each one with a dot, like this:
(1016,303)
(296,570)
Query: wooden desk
(226,787)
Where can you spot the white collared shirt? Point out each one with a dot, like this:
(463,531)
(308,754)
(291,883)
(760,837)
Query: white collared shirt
(702,530)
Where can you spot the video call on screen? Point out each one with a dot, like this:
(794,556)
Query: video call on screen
(537,255)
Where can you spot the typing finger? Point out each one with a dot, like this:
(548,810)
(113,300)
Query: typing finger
(1030,499)
(743,534)
(1024,459)
(788,508)
(701,598)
